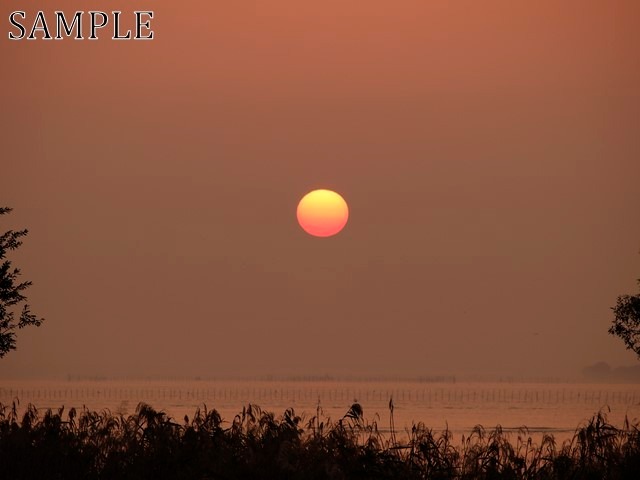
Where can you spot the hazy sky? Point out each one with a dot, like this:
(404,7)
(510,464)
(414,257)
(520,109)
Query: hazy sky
(489,153)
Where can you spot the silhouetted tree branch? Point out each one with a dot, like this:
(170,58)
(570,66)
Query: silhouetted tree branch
(11,292)
(626,323)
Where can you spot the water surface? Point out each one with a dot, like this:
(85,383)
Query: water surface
(556,408)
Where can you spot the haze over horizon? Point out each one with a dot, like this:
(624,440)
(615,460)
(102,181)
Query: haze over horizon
(489,153)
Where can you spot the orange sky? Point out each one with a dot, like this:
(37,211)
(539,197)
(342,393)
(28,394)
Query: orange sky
(489,151)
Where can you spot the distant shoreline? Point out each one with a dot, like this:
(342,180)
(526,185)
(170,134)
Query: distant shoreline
(440,379)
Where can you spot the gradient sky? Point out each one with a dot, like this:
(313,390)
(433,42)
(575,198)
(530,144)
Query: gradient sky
(489,152)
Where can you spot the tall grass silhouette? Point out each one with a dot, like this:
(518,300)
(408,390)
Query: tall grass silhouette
(257,444)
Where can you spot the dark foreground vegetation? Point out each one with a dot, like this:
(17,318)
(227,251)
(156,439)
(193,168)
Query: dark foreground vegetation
(258,445)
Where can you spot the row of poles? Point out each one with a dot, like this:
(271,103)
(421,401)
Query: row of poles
(257,395)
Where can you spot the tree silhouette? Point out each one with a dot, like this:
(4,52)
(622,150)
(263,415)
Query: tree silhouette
(626,323)
(11,295)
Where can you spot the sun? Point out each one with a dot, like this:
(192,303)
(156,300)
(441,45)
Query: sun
(322,213)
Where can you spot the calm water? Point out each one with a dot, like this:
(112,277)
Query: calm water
(554,407)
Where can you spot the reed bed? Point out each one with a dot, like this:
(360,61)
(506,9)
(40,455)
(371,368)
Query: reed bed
(257,444)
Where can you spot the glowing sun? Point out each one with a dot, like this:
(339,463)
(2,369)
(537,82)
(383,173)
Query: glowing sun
(322,213)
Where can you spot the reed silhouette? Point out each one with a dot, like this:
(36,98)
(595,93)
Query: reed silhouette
(258,445)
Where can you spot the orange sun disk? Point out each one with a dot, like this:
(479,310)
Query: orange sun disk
(322,213)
